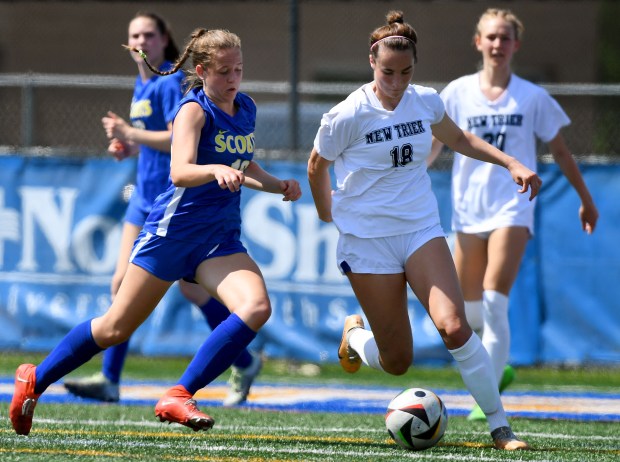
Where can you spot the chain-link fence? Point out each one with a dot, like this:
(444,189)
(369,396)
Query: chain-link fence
(300,58)
(61,114)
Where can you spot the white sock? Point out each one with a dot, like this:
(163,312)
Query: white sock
(496,332)
(363,342)
(477,372)
(474,312)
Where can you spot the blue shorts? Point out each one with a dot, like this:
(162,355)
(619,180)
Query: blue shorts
(171,259)
(136,212)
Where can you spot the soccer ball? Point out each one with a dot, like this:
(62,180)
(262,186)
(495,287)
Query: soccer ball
(416,419)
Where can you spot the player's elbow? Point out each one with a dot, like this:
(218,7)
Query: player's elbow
(179,177)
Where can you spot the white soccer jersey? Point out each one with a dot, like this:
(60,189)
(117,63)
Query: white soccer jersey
(484,195)
(382,186)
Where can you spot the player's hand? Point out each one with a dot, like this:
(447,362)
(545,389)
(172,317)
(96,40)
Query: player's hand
(118,149)
(115,126)
(525,178)
(228,177)
(588,214)
(290,190)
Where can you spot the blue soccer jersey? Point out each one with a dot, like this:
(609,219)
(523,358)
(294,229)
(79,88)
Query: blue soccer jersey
(153,107)
(208,213)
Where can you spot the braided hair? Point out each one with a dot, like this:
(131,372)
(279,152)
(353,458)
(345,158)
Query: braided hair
(202,46)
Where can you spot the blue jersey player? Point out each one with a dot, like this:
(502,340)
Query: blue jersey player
(192,233)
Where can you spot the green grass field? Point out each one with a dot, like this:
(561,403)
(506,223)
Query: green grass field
(90,432)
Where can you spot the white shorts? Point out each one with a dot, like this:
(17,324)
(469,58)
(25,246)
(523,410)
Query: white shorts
(381,255)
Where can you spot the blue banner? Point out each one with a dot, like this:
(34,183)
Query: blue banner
(61,225)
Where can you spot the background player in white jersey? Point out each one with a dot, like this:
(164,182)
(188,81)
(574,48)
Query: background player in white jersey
(492,222)
(379,139)
(154,102)
(193,232)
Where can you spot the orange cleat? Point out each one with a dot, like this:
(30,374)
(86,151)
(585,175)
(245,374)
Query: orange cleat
(24,399)
(177,405)
(348,357)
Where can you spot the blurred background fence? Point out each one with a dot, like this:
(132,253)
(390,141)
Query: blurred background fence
(62,67)
(55,114)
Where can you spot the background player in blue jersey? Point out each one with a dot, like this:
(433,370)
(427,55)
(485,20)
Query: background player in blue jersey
(155,98)
(193,232)
(492,222)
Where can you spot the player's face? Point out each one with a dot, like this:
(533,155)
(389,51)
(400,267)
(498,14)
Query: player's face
(496,41)
(393,70)
(144,35)
(223,76)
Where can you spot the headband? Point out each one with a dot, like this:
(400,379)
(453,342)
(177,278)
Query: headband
(391,37)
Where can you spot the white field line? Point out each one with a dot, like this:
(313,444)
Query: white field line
(294,429)
(264,449)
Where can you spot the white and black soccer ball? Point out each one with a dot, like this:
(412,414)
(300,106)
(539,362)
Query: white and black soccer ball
(416,419)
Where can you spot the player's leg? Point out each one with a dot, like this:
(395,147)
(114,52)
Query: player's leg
(139,294)
(470,260)
(246,366)
(136,299)
(506,247)
(388,344)
(114,357)
(214,312)
(437,287)
(104,385)
(237,281)
(375,272)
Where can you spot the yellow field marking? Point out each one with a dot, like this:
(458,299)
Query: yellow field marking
(124,455)
(212,435)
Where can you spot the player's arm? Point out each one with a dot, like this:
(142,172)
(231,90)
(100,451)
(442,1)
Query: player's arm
(320,185)
(588,213)
(116,127)
(261,180)
(472,146)
(436,148)
(184,172)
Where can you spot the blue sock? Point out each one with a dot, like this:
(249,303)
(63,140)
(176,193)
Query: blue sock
(76,348)
(114,360)
(217,353)
(216,313)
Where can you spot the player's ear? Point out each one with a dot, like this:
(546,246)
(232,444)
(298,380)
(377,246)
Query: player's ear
(477,42)
(201,72)
(371,59)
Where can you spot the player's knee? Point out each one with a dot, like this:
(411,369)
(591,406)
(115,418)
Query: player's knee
(109,337)
(255,313)
(107,332)
(453,328)
(262,311)
(398,364)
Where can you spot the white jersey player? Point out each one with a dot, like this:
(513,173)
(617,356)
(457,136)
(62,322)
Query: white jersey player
(492,221)
(483,196)
(378,140)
